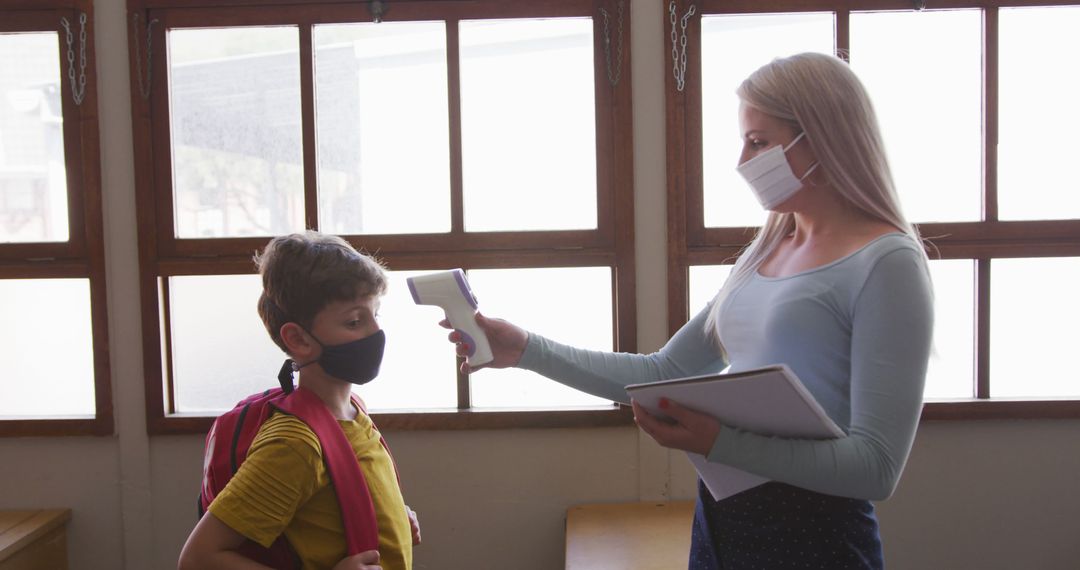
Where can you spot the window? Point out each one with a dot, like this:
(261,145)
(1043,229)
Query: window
(979,147)
(54,342)
(491,136)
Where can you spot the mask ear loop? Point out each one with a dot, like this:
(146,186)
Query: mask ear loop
(808,177)
(285,375)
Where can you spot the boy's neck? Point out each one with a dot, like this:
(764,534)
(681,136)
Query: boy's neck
(336,394)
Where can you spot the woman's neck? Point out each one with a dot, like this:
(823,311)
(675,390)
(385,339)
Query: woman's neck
(829,215)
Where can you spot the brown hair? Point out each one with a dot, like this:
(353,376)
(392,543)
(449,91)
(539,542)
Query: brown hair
(304,272)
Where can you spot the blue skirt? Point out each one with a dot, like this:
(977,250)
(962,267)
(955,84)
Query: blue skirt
(776,525)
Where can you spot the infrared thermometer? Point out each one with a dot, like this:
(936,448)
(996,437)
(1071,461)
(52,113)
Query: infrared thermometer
(450,290)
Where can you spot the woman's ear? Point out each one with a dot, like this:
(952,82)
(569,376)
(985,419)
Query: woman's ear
(297,342)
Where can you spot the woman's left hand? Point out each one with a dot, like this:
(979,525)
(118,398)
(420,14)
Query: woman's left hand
(691,430)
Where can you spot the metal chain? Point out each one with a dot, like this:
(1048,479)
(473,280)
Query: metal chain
(615,73)
(675,47)
(678,61)
(144,90)
(78,89)
(377,9)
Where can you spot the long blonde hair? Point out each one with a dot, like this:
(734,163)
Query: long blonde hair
(819,95)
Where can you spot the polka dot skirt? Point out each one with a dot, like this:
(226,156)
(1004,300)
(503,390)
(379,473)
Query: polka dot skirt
(776,525)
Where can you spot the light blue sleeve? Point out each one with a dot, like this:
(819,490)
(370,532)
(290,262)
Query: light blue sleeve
(891,337)
(605,374)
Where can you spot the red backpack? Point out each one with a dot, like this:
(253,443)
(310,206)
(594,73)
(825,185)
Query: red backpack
(227,446)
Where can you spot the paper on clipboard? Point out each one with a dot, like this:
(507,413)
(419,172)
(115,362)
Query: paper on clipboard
(769,401)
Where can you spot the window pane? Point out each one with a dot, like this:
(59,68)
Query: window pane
(236,137)
(928,98)
(383,129)
(568,305)
(705,283)
(419,368)
(1034,311)
(42,316)
(528,125)
(221,352)
(1037,89)
(951,373)
(33,181)
(732,47)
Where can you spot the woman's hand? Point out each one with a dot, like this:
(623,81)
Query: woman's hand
(414,524)
(690,431)
(507,342)
(364,561)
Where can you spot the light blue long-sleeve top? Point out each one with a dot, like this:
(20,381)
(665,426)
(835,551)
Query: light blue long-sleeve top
(856,331)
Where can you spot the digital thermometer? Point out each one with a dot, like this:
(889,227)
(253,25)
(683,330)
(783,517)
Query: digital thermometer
(450,290)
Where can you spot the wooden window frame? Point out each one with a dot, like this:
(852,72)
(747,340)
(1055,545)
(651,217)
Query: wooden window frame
(162,255)
(691,243)
(83,255)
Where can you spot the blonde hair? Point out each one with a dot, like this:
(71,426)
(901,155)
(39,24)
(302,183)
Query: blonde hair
(819,94)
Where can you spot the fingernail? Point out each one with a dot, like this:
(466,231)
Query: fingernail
(664,403)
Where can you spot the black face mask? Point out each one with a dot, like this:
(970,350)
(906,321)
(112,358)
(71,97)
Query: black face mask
(357,361)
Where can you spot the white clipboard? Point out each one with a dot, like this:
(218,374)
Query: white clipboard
(768,401)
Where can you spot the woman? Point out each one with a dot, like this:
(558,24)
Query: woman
(836,286)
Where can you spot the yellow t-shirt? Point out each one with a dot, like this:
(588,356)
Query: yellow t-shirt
(283,486)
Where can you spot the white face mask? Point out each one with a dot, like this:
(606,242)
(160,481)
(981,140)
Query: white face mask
(770,177)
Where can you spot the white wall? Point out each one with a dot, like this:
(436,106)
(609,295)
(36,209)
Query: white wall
(986,495)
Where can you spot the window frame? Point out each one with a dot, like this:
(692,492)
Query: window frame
(692,243)
(82,256)
(162,255)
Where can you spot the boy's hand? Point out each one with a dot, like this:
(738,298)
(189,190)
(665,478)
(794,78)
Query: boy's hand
(414,525)
(364,561)
(506,339)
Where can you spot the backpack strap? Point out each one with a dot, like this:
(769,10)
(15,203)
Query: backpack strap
(354,498)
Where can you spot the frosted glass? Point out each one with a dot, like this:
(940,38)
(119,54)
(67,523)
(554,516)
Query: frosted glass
(1038,88)
(732,47)
(221,352)
(46,345)
(383,128)
(237,145)
(951,373)
(928,99)
(568,305)
(1034,311)
(705,283)
(528,115)
(419,369)
(33,179)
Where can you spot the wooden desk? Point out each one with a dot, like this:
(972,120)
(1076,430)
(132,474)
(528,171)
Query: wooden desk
(628,536)
(34,539)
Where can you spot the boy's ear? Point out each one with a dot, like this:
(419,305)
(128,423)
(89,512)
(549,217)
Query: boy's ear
(297,342)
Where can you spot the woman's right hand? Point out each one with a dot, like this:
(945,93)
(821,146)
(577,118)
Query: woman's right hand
(368,560)
(506,339)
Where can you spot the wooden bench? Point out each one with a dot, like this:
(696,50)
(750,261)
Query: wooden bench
(34,539)
(628,536)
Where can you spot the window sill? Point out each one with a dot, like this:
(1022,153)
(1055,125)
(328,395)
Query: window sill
(67,426)
(442,420)
(1000,409)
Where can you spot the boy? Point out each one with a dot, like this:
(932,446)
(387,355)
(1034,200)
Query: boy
(319,302)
